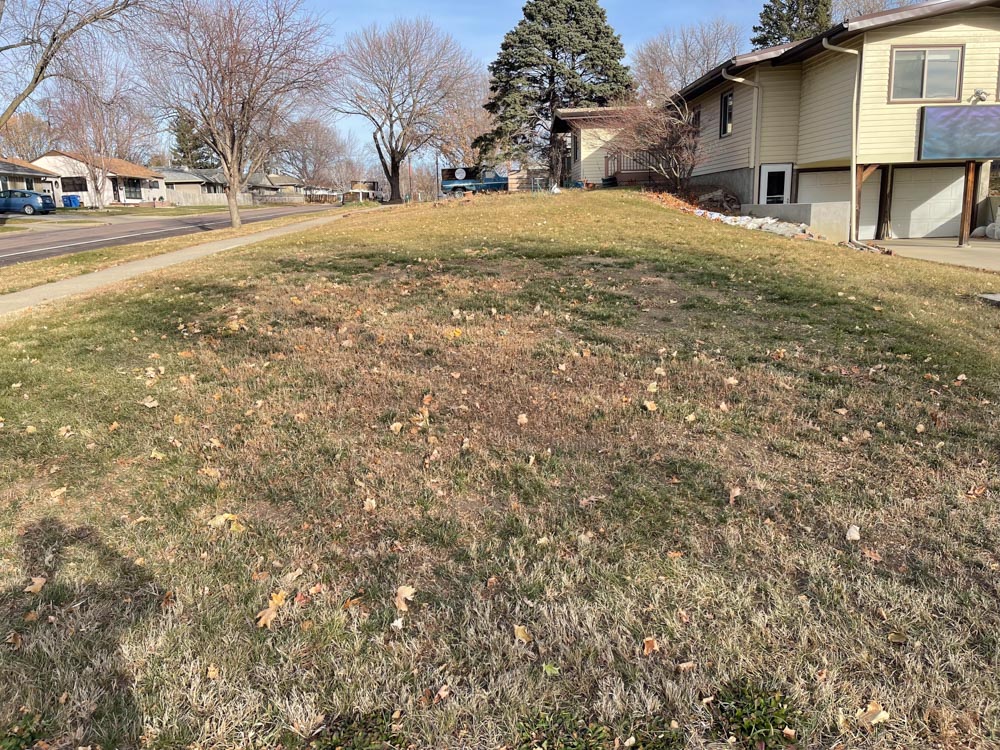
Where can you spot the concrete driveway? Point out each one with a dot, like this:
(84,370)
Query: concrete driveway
(981,254)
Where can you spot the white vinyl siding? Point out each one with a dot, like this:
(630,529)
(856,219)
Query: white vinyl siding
(779,113)
(734,151)
(593,148)
(889,132)
(826,109)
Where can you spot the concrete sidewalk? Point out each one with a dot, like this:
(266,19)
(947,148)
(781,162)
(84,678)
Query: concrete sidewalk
(28,299)
(980,254)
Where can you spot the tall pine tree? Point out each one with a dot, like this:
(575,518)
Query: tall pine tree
(784,21)
(190,148)
(563,53)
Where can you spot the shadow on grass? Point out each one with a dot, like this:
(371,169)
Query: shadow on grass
(63,677)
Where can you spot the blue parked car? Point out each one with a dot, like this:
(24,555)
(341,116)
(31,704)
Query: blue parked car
(26,202)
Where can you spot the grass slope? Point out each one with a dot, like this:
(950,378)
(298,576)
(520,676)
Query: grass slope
(459,399)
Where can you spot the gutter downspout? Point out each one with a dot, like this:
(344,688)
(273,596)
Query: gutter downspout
(755,126)
(852,235)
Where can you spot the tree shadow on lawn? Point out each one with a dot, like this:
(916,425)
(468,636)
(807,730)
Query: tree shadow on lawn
(63,677)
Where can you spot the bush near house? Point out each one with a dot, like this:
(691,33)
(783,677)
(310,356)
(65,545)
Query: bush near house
(526,471)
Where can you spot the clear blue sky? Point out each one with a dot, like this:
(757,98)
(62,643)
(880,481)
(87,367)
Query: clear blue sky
(480,24)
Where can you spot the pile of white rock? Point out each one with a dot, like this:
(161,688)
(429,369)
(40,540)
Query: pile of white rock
(991,231)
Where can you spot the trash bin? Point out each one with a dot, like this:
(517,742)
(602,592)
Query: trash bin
(71,201)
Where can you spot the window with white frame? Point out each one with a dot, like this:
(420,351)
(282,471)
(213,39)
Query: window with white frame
(726,114)
(927,74)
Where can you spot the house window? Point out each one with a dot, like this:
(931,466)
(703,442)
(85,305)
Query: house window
(696,120)
(154,185)
(29,183)
(726,115)
(933,74)
(133,188)
(576,146)
(74,184)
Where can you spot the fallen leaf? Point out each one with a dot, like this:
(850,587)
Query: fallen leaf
(521,633)
(396,427)
(921,429)
(687,666)
(442,694)
(149,402)
(853,533)
(404,594)
(734,492)
(650,406)
(872,715)
(650,646)
(675,555)
(266,616)
(522,419)
(397,624)
(212,672)
(871,554)
(36,585)
(57,493)
(157,455)
(898,638)
(732,382)
(788,733)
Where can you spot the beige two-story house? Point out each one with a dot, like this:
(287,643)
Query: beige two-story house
(882,127)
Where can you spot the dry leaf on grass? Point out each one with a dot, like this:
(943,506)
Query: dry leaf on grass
(36,585)
(853,533)
(650,646)
(404,594)
(521,633)
(522,419)
(266,616)
(872,715)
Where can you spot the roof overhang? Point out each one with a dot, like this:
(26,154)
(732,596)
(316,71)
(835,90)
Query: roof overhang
(794,52)
(565,118)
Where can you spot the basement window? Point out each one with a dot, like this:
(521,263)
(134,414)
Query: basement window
(931,74)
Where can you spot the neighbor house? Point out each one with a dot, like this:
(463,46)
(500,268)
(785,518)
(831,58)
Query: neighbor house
(882,127)
(100,180)
(287,185)
(21,175)
(592,158)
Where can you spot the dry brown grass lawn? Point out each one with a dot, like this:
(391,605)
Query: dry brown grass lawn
(461,400)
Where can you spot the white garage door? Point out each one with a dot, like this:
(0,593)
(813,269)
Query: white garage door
(927,202)
(835,187)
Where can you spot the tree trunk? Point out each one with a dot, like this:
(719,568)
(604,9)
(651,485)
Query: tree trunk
(395,194)
(234,207)
(556,149)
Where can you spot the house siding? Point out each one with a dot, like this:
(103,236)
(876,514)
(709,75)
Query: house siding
(890,132)
(594,143)
(780,92)
(736,150)
(826,109)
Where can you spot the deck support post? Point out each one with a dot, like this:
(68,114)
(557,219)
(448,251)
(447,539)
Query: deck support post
(968,204)
(884,222)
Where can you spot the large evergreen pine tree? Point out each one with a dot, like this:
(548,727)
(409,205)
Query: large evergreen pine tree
(563,53)
(791,20)
(190,148)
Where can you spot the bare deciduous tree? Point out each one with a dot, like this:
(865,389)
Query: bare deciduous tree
(676,57)
(853,8)
(462,120)
(319,155)
(400,79)
(661,138)
(25,136)
(96,110)
(239,69)
(34,35)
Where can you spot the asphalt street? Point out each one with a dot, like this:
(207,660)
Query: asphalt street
(46,242)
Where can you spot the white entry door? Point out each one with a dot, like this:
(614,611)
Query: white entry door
(775,183)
